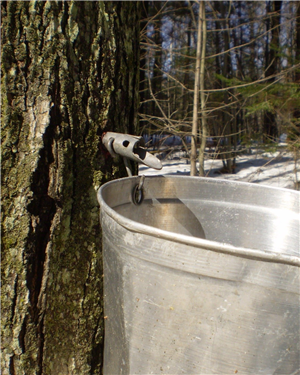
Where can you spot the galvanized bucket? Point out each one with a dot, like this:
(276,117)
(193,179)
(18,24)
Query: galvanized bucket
(201,276)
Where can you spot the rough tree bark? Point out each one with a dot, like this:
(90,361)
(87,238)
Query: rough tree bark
(69,72)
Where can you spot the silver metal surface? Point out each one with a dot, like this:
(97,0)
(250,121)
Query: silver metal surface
(131,147)
(202,277)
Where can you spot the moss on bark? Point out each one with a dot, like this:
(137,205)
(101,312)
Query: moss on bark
(69,72)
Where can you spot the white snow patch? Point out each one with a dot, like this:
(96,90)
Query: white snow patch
(277,169)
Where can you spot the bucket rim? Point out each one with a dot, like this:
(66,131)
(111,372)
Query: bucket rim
(201,243)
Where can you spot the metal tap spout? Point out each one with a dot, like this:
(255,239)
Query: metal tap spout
(130,147)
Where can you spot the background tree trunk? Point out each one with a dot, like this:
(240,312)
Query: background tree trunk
(69,72)
(296,113)
(272,64)
(202,93)
(195,126)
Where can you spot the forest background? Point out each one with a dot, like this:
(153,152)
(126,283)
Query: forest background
(223,74)
(227,72)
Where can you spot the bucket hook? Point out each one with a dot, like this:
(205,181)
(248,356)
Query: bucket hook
(130,147)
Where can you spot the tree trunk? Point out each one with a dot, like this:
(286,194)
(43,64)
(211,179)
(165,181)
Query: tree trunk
(194,138)
(69,73)
(226,141)
(154,73)
(297,44)
(144,92)
(296,113)
(202,93)
(272,62)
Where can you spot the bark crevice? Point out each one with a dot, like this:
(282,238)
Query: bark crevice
(14,300)
(62,88)
(12,366)
(42,209)
(22,335)
(97,348)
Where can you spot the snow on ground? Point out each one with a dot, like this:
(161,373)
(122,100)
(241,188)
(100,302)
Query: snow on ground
(274,169)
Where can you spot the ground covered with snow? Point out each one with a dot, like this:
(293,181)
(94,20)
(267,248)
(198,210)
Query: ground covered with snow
(278,169)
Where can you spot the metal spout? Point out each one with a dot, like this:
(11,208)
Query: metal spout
(130,147)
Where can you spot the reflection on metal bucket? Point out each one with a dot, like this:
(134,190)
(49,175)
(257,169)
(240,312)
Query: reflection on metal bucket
(201,277)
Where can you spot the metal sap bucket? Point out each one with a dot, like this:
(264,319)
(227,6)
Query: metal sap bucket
(201,276)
